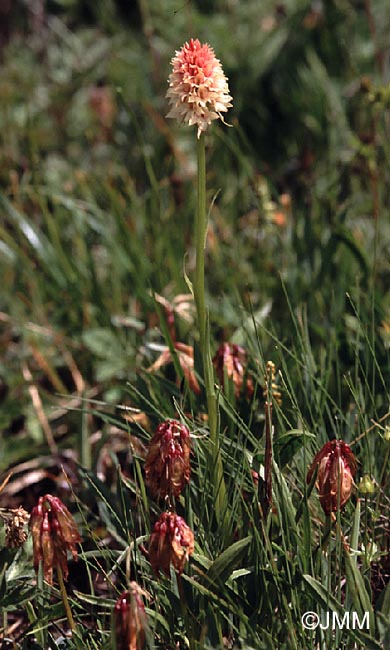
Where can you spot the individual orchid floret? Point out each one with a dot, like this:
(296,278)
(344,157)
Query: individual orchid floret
(198,90)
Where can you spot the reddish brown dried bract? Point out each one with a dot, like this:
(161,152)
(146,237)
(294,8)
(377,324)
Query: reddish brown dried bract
(185,354)
(336,468)
(171,542)
(230,361)
(167,465)
(54,532)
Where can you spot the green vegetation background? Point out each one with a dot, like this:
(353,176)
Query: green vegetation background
(97,208)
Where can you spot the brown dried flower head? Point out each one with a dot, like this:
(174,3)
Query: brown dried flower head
(171,542)
(54,532)
(198,90)
(336,468)
(130,619)
(15,520)
(230,362)
(167,465)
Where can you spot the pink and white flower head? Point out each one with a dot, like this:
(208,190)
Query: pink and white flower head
(198,90)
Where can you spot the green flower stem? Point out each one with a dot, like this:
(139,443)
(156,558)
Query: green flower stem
(203,324)
(65,599)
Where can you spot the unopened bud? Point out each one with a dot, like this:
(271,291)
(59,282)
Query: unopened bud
(366,485)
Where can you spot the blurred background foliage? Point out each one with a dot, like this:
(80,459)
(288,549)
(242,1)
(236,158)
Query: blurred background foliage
(97,202)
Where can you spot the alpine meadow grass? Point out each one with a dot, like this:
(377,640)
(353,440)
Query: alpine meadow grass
(194,325)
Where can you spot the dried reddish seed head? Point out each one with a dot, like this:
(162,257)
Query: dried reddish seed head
(336,468)
(171,542)
(130,619)
(167,465)
(54,532)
